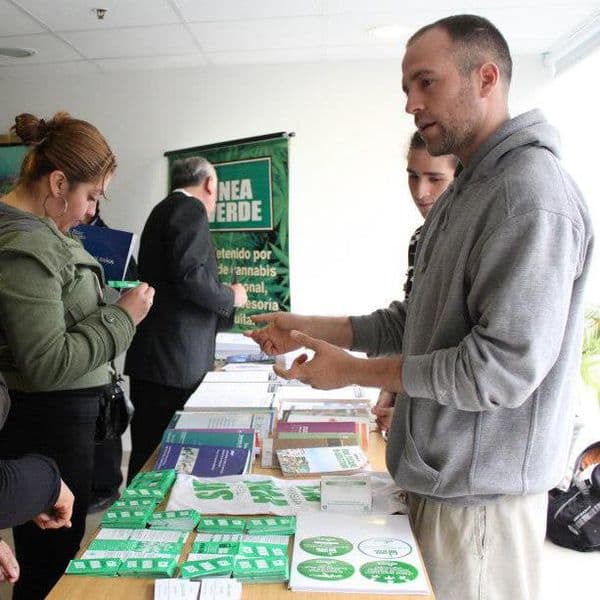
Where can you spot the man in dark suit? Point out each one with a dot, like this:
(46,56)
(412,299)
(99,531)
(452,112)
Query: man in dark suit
(174,346)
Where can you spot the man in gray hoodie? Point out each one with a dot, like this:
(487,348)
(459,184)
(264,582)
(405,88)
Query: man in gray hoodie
(489,340)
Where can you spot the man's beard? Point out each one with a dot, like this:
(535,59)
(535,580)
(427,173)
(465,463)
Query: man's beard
(451,140)
(456,136)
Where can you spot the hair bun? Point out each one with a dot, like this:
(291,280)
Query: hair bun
(30,129)
(34,131)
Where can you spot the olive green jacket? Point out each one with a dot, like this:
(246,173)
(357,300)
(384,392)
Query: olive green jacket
(56,331)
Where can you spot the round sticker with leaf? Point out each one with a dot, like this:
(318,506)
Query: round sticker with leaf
(385,548)
(325,545)
(326,569)
(388,571)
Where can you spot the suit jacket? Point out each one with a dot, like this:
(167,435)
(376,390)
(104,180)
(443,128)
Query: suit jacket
(175,344)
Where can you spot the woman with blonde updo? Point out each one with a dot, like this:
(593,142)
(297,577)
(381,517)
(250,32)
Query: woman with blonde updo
(57,335)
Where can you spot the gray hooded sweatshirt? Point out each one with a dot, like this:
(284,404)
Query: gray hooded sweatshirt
(491,333)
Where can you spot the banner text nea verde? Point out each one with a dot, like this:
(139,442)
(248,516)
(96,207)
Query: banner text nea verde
(250,223)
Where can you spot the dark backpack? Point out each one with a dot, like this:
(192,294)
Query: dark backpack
(574,515)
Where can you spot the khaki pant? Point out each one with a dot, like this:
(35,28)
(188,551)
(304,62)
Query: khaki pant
(487,552)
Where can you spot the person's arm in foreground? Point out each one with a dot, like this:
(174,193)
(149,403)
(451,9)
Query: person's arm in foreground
(26,484)
(31,488)
(331,367)
(276,337)
(60,513)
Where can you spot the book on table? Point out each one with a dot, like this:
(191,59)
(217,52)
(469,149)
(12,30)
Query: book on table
(299,429)
(318,442)
(247,376)
(330,408)
(112,248)
(352,427)
(204,461)
(304,392)
(259,419)
(232,395)
(309,462)
(230,438)
(319,412)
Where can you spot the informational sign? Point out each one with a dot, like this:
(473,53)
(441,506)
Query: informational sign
(250,223)
(245,196)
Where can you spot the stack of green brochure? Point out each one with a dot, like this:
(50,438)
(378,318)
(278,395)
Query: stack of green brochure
(221,566)
(135,503)
(253,557)
(183,520)
(148,567)
(215,544)
(151,484)
(255,547)
(136,543)
(106,547)
(221,525)
(271,525)
(102,567)
(151,543)
(155,494)
(127,518)
(261,570)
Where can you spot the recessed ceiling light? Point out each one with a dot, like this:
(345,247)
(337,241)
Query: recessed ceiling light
(388,32)
(17,52)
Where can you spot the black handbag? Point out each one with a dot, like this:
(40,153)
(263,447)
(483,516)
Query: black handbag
(574,515)
(115,410)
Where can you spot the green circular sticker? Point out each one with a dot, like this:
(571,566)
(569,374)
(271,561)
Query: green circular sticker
(326,569)
(387,548)
(388,571)
(324,545)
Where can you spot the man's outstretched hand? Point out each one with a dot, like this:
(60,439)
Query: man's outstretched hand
(275,337)
(329,368)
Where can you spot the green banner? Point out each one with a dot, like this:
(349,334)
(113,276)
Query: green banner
(11,157)
(250,224)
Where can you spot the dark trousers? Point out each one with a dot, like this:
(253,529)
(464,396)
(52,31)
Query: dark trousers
(60,425)
(107,476)
(155,405)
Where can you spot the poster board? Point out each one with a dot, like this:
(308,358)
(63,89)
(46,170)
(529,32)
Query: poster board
(11,156)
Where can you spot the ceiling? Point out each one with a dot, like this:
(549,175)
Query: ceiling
(146,34)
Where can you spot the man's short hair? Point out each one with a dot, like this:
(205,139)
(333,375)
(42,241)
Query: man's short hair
(477,41)
(190,171)
(418,143)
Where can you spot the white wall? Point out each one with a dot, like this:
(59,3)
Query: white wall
(571,102)
(351,216)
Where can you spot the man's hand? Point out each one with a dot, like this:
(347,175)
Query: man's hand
(330,367)
(384,410)
(275,338)
(9,567)
(60,515)
(240,296)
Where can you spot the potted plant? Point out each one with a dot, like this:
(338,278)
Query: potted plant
(590,354)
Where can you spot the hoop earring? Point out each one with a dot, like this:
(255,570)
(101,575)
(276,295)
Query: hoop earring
(64,212)
(65,207)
